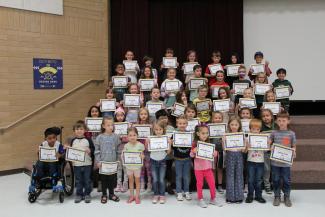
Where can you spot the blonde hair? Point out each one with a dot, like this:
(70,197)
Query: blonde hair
(234,118)
(146,110)
(160,124)
(255,123)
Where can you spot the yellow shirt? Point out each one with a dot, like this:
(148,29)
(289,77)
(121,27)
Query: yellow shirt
(204,116)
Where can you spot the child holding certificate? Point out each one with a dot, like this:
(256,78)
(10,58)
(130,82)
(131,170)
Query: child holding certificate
(203,115)
(93,112)
(134,171)
(197,74)
(155,99)
(281,171)
(261,78)
(120,91)
(147,74)
(163,70)
(190,58)
(234,167)
(82,170)
(234,59)
(258,57)
(109,94)
(216,58)
(190,114)
(106,149)
(220,80)
(132,74)
(147,60)
(132,113)
(224,93)
(170,87)
(203,168)
(282,82)
(241,80)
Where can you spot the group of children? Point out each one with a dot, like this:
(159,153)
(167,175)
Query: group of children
(241,166)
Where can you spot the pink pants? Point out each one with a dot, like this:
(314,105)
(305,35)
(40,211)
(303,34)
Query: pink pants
(209,177)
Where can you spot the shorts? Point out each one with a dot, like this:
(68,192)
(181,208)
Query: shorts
(136,173)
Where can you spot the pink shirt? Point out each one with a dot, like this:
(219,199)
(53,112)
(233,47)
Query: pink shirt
(200,164)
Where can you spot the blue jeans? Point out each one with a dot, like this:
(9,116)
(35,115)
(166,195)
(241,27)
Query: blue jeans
(51,167)
(183,168)
(284,174)
(158,171)
(83,180)
(255,178)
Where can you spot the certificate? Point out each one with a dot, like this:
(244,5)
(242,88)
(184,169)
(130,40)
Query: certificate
(245,125)
(75,155)
(282,92)
(158,143)
(239,88)
(188,67)
(147,84)
(172,86)
(217,130)
(132,100)
(121,128)
(203,105)
(257,68)
(120,81)
(234,141)
(153,107)
(282,154)
(108,168)
(179,109)
(215,91)
(46,154)
(144,130)
(260,89)
(132,158)
(195,83)
(247,103)
(130,65)
(222,105)
(183,139)
(232,70)
(214,68)
(170,62)
(107,105)
(94,124)
(275,107)
(191,124)
(205,151)
(258,142)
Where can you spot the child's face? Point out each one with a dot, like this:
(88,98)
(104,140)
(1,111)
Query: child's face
(163,119)
(51,139)
(245,114)
(119,70)
(217,118)
(119,117)
(216,59)
(169,54)
(203,93)
(222,94)
(234,59)
(242,73)
(190,113)
(234,126)
(109,95)
(94,113)
(133,137)
(255,130)
(270,97)
(171,74)
(192,57)
(158,130)
(261,78)
(266,117)
(143,115)
(79,132)
(148,63)
(129,55)
(133,89)
(181,124)
(184,97)
(155,94)
(281,76)
(283,123)
(258,59)
(108,126)
(220,77)
(203,134)
(198,73)
(248,93)
(147,72)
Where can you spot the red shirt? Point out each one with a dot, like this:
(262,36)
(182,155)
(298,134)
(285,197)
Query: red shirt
(211,79)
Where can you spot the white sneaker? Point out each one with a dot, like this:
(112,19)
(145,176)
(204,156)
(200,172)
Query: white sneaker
(215,202)
(155,199)
(179,197)
(202,203)
(188,196)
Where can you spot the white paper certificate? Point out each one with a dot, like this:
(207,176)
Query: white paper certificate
(158,143)
(245,125)
(282,92)
(232,70)
(153,107)
(205,151)
(258,141)
(47,154)
(215,91)
(108,168)
(183,139)
(188,67)
(203,105)
(170,62)
(257,68)
(260,89)
(75,155)
(120,81)
(247,103)
(222,105)
(217,130)
(282,154)
(132,100)
(132,158)
(239,88)
(191,124)
(214,68)
(130,65)
(179,110)
(195,83)
(144,131)
(275,107)
(234,141)
(172,86)
(121,128)
(94,124)
(107,105)
(146,84)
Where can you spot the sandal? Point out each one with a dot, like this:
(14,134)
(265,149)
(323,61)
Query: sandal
(114,198)
(131,199)
(103,199)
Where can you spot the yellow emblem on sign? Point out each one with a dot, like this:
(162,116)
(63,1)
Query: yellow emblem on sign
(48,69)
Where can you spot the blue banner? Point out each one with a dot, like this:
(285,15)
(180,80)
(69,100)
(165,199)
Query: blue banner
(48,73)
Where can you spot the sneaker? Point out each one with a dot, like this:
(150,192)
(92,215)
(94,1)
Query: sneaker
(268,190)
(202,204)
(124,187)
(78,199)
(155,199)
(287,202)
(276,201)
(215,202)
(188,196)
(87,199)
(179,197)
(137,200)
(260,200)
(220,190)
(249,199)
(162,199)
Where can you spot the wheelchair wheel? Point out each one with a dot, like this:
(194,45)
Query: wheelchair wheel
(32,197)
(67,178)
(61,197)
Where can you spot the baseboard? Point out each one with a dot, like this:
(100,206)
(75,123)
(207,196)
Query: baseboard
(13,171)
(308,186)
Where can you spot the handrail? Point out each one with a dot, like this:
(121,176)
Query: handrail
(2,129)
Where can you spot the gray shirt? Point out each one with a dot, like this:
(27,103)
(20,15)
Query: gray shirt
(106,147)
(283,137)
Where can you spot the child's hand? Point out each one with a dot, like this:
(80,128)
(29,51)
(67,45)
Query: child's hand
(98,104)
(162,66)
(267,63)
(65,146)
(194,150)
(142,155)
(87,150)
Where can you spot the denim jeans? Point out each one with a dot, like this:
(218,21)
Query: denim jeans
(183,168)
(255,178)
(83,180)
(42,167)
(283,173)
(158,171)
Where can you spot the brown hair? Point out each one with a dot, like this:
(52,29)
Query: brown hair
(283,114)
(161,125)
(133,129)
(103,122)
(234,118)
(79,124)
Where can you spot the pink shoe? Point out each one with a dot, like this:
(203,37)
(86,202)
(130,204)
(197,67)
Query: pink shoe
(118,188)
(137,200)
(131,199)
(162,199)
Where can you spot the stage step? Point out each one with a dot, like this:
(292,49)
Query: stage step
(310,150)
(308,174)
(308,127)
